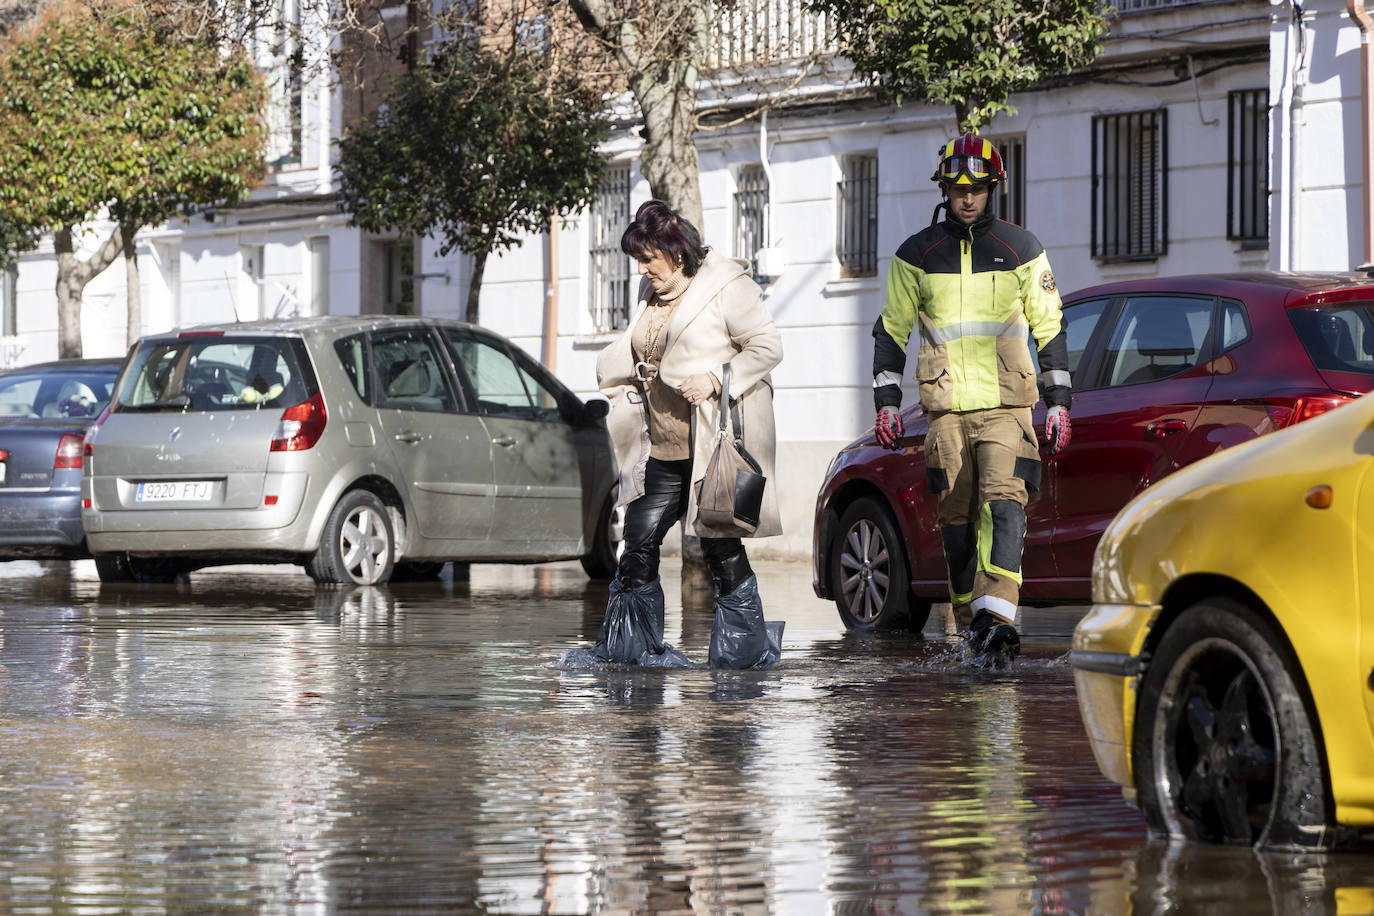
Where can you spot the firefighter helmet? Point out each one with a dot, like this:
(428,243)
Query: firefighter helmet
(969,160)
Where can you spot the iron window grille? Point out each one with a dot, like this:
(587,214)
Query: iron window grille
(610,271)
(1130,186)
(1011,194)
(857,242)
(1247,157)
(751,212)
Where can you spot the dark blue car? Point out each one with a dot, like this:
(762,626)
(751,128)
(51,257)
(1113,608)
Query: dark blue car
(44,412)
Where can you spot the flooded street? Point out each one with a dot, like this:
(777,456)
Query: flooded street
(245,742)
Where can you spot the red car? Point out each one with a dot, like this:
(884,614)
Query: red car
(1165,371)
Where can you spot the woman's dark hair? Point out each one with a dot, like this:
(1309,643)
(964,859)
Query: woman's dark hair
(658,227)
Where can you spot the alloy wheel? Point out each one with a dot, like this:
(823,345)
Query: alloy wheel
(364,544)
(865,571)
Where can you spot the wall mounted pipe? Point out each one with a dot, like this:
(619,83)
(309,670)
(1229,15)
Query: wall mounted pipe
(1361,18)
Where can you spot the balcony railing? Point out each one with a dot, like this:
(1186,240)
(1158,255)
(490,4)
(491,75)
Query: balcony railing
(754,32)
(1142,6)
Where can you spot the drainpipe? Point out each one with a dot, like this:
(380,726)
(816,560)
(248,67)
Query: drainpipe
(1362,19)
(550,354)
(1298,63)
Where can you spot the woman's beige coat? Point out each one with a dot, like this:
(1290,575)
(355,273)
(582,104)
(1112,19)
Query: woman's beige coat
(719,319)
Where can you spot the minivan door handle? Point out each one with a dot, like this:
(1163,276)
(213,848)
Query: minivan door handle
(1159,429)
(506,441)
(409,437)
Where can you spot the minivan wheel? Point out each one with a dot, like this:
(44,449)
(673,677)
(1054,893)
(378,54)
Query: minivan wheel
(1224,748)
(601,561)
(357,546)
(868,572)
(120,567)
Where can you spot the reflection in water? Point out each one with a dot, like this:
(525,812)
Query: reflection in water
(245,742)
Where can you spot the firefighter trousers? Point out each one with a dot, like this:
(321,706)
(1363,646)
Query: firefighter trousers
(981,465)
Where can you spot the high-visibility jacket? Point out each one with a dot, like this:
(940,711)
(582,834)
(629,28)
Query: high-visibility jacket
(973,293)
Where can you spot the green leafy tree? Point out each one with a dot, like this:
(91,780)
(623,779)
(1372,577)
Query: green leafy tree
(111,111)
(476,148)
(15,239)
(970,55)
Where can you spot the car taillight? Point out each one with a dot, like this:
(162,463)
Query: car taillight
(69,450)
(301,426)
(88,440)
(1287,411)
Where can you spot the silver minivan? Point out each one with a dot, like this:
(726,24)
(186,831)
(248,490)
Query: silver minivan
(362,448)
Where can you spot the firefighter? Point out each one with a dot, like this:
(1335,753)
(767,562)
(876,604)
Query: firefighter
(975,288)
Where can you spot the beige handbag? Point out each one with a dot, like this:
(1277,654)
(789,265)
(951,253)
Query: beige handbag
(730,495)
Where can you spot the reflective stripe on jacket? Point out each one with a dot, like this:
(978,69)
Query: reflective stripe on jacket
(972,293)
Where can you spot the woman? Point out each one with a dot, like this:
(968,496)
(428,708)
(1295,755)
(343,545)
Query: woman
(697,311)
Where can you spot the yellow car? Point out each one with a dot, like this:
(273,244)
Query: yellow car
(1226,670)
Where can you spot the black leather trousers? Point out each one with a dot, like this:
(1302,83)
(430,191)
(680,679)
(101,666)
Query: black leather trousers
(649,519)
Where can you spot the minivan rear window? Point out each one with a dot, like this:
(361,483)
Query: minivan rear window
(216,373)
(1338,339)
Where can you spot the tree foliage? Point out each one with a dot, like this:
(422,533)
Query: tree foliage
(109,111)
(475,147)
(15,239)
(972,55)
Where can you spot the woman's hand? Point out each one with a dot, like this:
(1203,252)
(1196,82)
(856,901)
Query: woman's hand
(698,388)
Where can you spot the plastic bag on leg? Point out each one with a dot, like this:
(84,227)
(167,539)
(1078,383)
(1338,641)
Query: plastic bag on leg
(740,637)
(632,633)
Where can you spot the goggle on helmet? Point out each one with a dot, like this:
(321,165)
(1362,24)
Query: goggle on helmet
(969,160)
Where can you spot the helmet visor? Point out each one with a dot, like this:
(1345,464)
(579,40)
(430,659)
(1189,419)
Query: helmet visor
(978,168)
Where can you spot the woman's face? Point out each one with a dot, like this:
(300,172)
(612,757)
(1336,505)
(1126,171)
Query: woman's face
(658,267)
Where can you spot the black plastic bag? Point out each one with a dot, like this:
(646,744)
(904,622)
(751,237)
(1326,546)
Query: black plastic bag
(740,638)
(632,633)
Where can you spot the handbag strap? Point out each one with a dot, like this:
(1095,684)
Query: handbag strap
(736,422)
(724,392)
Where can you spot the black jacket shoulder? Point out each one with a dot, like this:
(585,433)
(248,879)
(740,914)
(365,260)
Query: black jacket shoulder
(918,247)
(1023,245)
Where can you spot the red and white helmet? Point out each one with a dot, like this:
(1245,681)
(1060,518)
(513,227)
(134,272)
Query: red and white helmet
(969,160)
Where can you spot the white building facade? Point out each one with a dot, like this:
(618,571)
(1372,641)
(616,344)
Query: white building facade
(1209,137)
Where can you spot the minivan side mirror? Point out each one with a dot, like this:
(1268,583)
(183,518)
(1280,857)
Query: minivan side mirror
(595,410)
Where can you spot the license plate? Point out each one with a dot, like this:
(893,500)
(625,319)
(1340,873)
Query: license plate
(178,490)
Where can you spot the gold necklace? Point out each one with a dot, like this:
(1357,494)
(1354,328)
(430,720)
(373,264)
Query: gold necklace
(646,370)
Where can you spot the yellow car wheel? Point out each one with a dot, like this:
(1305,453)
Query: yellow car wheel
(1225,751)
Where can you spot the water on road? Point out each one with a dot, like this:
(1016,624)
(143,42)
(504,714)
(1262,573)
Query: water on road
(245,742)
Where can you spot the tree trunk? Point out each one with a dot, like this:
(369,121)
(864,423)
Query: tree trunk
(133,291)
(479,266)
(663,80)
(72,276)
(667,98)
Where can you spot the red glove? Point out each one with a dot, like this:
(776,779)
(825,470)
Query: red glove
(888,428)
(1058,429)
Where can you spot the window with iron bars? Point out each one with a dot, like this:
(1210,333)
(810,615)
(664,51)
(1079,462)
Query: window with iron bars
(1247,158)
(857,237)
(1130,186)
(609,272)
(751,212)
(1011,193)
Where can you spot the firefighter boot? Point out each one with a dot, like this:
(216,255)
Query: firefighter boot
(992,642)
